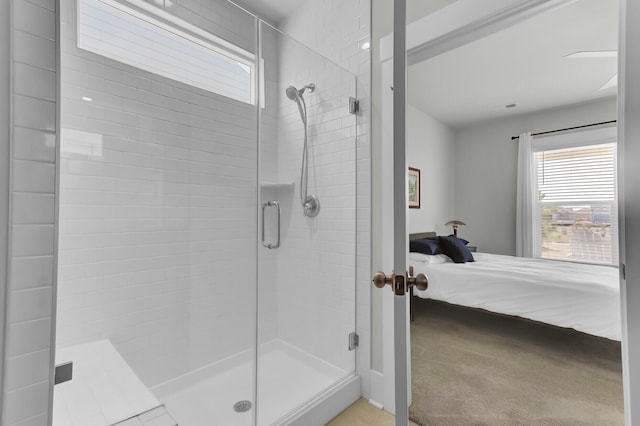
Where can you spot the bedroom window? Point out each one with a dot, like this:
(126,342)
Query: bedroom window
(139,34)
(576,211)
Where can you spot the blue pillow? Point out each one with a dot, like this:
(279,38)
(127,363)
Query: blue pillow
(455,248)
(429,245)
(461,239)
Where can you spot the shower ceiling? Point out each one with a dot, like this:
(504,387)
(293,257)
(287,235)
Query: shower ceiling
(272,11)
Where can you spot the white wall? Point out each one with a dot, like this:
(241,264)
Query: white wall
(486,170)
(27,333)
(4,169)
(337,31)
(431,149)
(157,205)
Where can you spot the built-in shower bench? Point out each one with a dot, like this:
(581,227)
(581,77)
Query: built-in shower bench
(104,391)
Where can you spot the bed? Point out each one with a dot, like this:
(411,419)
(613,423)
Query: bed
(580,296)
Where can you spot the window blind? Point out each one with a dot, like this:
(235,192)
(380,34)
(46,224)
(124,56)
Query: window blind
(167,46)
(577,204)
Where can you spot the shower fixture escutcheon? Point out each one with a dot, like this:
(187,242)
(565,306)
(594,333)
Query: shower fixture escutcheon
(311,206)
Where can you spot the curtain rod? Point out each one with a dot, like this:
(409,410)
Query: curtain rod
(513,138)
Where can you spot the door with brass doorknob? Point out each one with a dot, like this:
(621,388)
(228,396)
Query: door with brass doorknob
(398,283)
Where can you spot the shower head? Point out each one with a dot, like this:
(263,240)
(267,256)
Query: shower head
(293,93)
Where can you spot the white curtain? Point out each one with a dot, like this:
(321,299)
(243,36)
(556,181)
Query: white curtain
(525,198)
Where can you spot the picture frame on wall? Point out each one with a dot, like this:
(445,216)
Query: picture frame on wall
(413,178)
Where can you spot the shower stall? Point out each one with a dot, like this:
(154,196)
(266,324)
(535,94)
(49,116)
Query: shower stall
(205,272)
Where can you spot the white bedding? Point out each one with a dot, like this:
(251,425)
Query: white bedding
(580,296)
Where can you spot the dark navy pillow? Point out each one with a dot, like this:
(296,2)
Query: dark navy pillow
(461,239)
(429,245)
(455,249)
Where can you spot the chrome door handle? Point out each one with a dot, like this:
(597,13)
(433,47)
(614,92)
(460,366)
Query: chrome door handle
(264,207)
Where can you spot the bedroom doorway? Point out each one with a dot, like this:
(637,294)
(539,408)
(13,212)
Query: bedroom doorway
(586,112)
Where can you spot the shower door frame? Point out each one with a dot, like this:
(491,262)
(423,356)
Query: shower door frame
(469,21)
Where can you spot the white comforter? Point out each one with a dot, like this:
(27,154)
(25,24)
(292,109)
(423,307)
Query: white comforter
(580,296)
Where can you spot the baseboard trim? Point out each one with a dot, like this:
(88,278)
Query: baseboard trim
(376,404)
(377,388)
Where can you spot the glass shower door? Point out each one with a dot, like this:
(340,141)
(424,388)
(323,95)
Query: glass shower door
(307,205)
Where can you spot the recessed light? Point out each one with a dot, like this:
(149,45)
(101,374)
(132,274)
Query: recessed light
(86,98)
(593,54)
(366,45)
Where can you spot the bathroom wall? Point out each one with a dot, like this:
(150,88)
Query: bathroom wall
(157,216)
(29,50)
(5,161)
(338,30)
(26,392)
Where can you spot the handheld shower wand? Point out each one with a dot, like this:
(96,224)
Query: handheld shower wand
(310,203)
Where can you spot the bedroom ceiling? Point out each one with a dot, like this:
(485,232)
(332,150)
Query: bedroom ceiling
(522,65)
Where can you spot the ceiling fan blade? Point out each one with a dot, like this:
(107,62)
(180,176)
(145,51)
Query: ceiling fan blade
(610,83)
(588,54)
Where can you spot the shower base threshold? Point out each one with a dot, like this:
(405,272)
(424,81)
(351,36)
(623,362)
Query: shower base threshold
(291,381)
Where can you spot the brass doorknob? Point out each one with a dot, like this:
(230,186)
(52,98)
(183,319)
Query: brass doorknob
(422,283)
(380,279)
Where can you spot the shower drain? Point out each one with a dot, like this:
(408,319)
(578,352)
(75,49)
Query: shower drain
(242,406)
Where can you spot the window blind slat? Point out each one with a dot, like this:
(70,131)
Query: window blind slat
(577,204)
(140,40)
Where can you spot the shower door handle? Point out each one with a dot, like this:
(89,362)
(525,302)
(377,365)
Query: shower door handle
(264,207)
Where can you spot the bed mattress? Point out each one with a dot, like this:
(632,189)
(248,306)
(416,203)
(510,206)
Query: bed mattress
(580,296)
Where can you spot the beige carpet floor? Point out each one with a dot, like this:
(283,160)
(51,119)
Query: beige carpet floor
(470,367)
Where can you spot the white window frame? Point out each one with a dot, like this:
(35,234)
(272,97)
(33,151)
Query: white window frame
(183,31)
(578,139)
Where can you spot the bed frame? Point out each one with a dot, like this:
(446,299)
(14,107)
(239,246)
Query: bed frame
(420,235)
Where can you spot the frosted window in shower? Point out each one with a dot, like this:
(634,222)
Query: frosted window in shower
(144,36)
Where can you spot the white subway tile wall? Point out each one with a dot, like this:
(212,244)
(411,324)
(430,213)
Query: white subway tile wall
(157,208)
(338,30)
(146,173)
(30,284)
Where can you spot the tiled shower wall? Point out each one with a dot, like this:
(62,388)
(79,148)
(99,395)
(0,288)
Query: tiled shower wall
(30,28)
(158,222)
(338,31)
